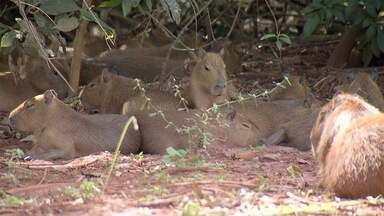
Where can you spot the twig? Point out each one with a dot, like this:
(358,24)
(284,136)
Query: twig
(42,179)
(32,30)
(193,169)
(160,202)
(227,183)
(131,121)
(234,22)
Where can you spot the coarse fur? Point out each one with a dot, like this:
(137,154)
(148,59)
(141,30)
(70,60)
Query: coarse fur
(333,116)
(62,133)
(348,143)
(208,85)
(363,85)
(193,130)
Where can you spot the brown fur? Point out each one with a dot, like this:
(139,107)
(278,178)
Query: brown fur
(108,92)
(333,116)
(350,148)
(364,86)
(293,89)
(207,86)
(38,77)
(230,56)
(208,83)
(129,64)
(157,135)
(291,115)
(299,128)
(62,133)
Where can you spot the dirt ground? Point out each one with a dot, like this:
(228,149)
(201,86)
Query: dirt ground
(271,180)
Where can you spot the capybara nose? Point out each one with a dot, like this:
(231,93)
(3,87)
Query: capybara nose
(219,88)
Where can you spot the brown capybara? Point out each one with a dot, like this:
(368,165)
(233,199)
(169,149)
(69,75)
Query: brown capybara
(363,85)
(348,142)
(62,133)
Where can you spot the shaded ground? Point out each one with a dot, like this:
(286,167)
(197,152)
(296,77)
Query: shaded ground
(264,180)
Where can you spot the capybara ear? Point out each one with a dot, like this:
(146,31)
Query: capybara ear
(200,53)
(106,75)
(49,95)
(222,52)
(230,112)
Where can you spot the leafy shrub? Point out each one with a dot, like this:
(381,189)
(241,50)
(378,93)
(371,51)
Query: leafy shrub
(369,14)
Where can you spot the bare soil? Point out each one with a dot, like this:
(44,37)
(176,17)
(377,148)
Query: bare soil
(271,180)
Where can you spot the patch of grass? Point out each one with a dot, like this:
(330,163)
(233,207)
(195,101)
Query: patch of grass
(181,158)
(14,154)
(261,183)
(86,190)
(158,190)
(138,157)
(162,177)
(9,200)
(9,177)
(191,209)
(294,171)
(256,147)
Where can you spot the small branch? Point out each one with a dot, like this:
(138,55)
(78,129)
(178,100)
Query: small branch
(208,25)
(78,45)
(234,22)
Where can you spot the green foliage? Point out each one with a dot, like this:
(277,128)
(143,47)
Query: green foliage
(181,158)
(14,153)
(174,155)
(191,209)
(66,23)
(278,39)
(173,8)
(8,39)
(57,7)
(366,13)
(9,200)
(86,190)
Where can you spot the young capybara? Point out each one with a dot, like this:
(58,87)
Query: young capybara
(347,139)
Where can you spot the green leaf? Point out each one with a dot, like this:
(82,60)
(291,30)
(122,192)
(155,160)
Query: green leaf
(279,45)
(173,9)
(149,4)
(110,4)
(285,38)
(56,7)
(367,21)
(267,36)
(367,56)
(371,10)
(370,32)
(375,48)
(311,24)
(67,24)
(380,39)
(127,6)
(85,14)
(8,39)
